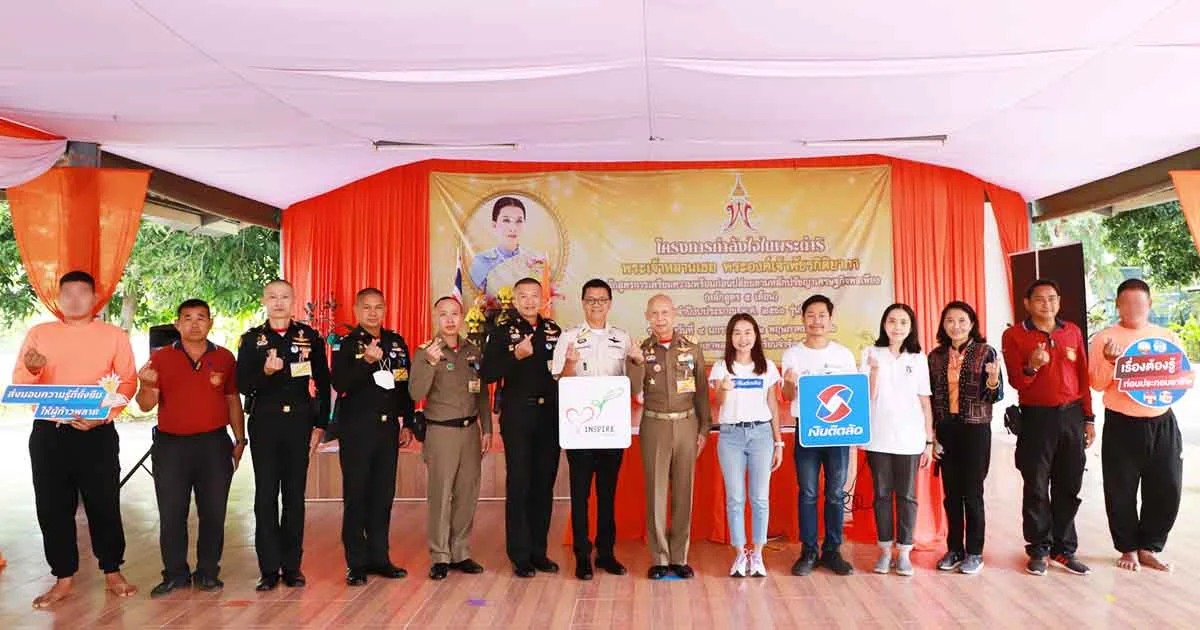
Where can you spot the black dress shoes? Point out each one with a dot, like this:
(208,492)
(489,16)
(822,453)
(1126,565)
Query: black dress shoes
(583,567)
(467,566)
(683,571)
(545,565)
(267,582)
(356,577)
(610,564)
(657,572)
(169,586)
(388,570)
(439,571)
(524,570)
(207,583)
(293,579)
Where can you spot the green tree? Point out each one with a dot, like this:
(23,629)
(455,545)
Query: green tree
(17,299)
(1101,275)
(1156,239)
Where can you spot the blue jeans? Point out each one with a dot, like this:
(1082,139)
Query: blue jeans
(809,461)
(739,449)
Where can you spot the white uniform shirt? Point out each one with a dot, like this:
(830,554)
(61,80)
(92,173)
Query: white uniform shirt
(601,351)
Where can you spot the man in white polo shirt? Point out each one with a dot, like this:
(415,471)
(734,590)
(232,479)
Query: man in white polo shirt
(818,355)
(594,348)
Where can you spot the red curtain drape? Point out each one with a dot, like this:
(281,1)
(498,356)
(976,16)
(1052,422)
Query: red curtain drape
(82,219)
(1012,221)
(375,232)
(1187,186)
(26,153)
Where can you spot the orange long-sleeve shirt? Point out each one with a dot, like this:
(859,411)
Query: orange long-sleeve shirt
(79,354)
(1101,371)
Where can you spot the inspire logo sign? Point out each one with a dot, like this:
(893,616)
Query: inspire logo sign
(594,412)
(834,410)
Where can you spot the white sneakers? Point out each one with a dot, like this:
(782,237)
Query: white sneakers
(741,564)
(748,563)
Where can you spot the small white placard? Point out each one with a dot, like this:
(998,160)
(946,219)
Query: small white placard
(594,412)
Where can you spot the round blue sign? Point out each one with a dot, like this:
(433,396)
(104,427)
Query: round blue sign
(1154,372)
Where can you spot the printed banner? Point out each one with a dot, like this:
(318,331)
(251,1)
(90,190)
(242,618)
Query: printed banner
(1154,373)
(594,412)
(64,402)
(719,242)
(835,410)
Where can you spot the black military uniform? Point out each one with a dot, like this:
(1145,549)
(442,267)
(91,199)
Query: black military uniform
(529,427)
(367,421)
(283,408)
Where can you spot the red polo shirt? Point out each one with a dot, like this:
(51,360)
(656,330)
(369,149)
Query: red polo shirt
(191,395)
(1061,381)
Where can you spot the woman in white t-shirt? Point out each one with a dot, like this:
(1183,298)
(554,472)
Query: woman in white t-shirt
(746,385)
(901,432)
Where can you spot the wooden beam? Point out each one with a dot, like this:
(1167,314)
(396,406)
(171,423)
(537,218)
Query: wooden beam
(201,197)
(1136,187)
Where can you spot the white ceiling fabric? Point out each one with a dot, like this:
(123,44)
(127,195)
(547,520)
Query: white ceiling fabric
(280,100)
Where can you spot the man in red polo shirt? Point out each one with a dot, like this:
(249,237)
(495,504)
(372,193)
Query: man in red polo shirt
(193,383)
(1046,359)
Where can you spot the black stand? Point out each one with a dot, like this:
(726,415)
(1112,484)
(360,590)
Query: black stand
(140,464)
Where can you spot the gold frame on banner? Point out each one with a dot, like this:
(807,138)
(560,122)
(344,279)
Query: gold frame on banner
(556,273)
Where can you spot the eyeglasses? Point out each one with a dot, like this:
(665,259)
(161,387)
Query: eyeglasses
(596,301)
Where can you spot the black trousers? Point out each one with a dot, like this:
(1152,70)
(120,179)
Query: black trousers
(368,449)
(1050,456)
(279,446)
(895,480)
(183,465)
(966,458)
(531,455)
(1146,452)
(603,465)
(68,464)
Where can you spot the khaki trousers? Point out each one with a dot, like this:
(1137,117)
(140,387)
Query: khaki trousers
(669,460)
(453,460)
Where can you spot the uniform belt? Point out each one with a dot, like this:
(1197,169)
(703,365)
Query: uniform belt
(276,407)
(457,422)
(667,415)
(536,401)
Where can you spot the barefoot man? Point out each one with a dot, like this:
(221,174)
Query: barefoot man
(1142,444)
(78,458)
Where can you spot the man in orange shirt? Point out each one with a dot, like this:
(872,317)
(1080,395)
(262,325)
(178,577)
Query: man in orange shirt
(1142,444)
(80,457)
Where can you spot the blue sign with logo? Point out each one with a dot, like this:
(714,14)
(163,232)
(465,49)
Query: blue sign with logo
(1154,373)
(64,402)
(835,410)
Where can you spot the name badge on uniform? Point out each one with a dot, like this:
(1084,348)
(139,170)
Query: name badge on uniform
(301,368)
(550,366)
(401,374)
(685,386)
(384,379)
(473,386)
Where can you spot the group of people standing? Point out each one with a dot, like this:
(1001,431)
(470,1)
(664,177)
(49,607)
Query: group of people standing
(934,409)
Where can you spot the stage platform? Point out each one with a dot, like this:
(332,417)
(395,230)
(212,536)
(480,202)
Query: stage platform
(1003,596)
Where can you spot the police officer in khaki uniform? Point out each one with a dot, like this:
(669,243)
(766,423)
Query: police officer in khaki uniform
(445,373)
(668,375)
(518,355)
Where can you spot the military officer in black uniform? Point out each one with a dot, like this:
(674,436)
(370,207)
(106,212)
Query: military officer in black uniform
(518,355)
(282,372)
(372,419)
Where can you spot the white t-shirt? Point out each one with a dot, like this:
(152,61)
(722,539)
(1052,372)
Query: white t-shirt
(832,359)
(747,401)
(897,422)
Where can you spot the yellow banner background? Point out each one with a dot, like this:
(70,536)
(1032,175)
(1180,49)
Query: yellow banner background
(717,241)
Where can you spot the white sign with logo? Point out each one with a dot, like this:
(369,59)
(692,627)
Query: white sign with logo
(594,412)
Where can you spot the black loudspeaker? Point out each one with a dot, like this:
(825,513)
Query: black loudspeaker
(162,335)
(1062,264)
